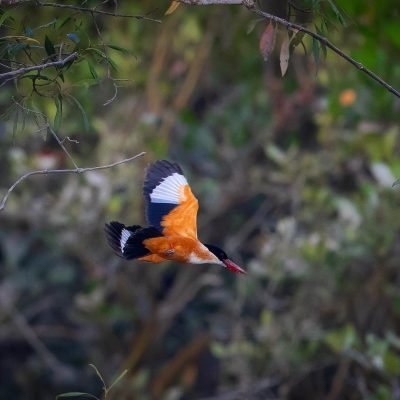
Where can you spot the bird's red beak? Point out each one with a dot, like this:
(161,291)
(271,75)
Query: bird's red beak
(233,267)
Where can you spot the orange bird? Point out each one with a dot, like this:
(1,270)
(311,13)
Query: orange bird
(171,213)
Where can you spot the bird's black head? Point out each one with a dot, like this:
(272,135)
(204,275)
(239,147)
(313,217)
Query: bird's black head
(221,255)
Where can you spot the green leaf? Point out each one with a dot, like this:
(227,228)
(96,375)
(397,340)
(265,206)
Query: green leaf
(338,14)
(58,116)
(104,56)
(252,25)
(52,24)
(68,65)
(64,21)
(321,44)
(4,17)
(118,48)
(324,29)
(391,363)
(324,51)
(48,45)
(97,51)
(38,77)
(92,70)
(315,52)
(341,339)
(19,38)
(112,64)
(86,83)
(296,39)
(76,394)
(83,112)
(99,375)
(118,379)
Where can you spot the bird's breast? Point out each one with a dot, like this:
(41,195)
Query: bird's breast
(181,249)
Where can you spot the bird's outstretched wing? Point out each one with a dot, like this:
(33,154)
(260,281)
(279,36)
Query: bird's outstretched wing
(170,204)
(127,241)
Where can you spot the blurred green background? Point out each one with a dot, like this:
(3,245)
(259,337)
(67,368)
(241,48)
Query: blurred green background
(293,176)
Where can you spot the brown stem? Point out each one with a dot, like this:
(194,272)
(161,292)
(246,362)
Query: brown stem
(95,11)
(21,71)
(62,171)
(250,4)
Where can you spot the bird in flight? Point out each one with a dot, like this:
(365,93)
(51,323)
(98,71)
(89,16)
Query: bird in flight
(171,213)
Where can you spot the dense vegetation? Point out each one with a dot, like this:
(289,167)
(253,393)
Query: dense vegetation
(294,176)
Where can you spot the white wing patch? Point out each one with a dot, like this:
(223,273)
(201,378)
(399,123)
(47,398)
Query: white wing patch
(125,235)
(169,190)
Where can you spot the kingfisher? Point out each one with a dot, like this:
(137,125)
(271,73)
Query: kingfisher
(171,216)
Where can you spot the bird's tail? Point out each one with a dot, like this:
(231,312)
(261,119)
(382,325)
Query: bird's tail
(127,241)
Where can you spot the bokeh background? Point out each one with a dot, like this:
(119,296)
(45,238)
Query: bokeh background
(294,177)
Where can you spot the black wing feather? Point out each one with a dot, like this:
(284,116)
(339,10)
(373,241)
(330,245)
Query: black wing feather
(155,174)
(133,247)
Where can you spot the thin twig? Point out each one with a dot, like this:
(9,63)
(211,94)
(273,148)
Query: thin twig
(103,44)
(68,139)
(61,144)
(49,128)
(109,101)
(250,4)
(5,66)
(63,171)
(295,27)
(59,63)
(13,61)
(95,11)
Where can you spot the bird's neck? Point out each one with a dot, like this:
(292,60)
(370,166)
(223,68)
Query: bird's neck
(201,255)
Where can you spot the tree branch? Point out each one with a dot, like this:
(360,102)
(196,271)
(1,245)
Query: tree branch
(250,4)
(295,27)
(63,171)
(12,74)
(95,11)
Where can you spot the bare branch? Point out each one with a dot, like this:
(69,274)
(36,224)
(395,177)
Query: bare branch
(68,139)
(21,71)
(61,143)
(11,2)
(110,100)
(295,27)
(64,171)
(95,11)
(250,4)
